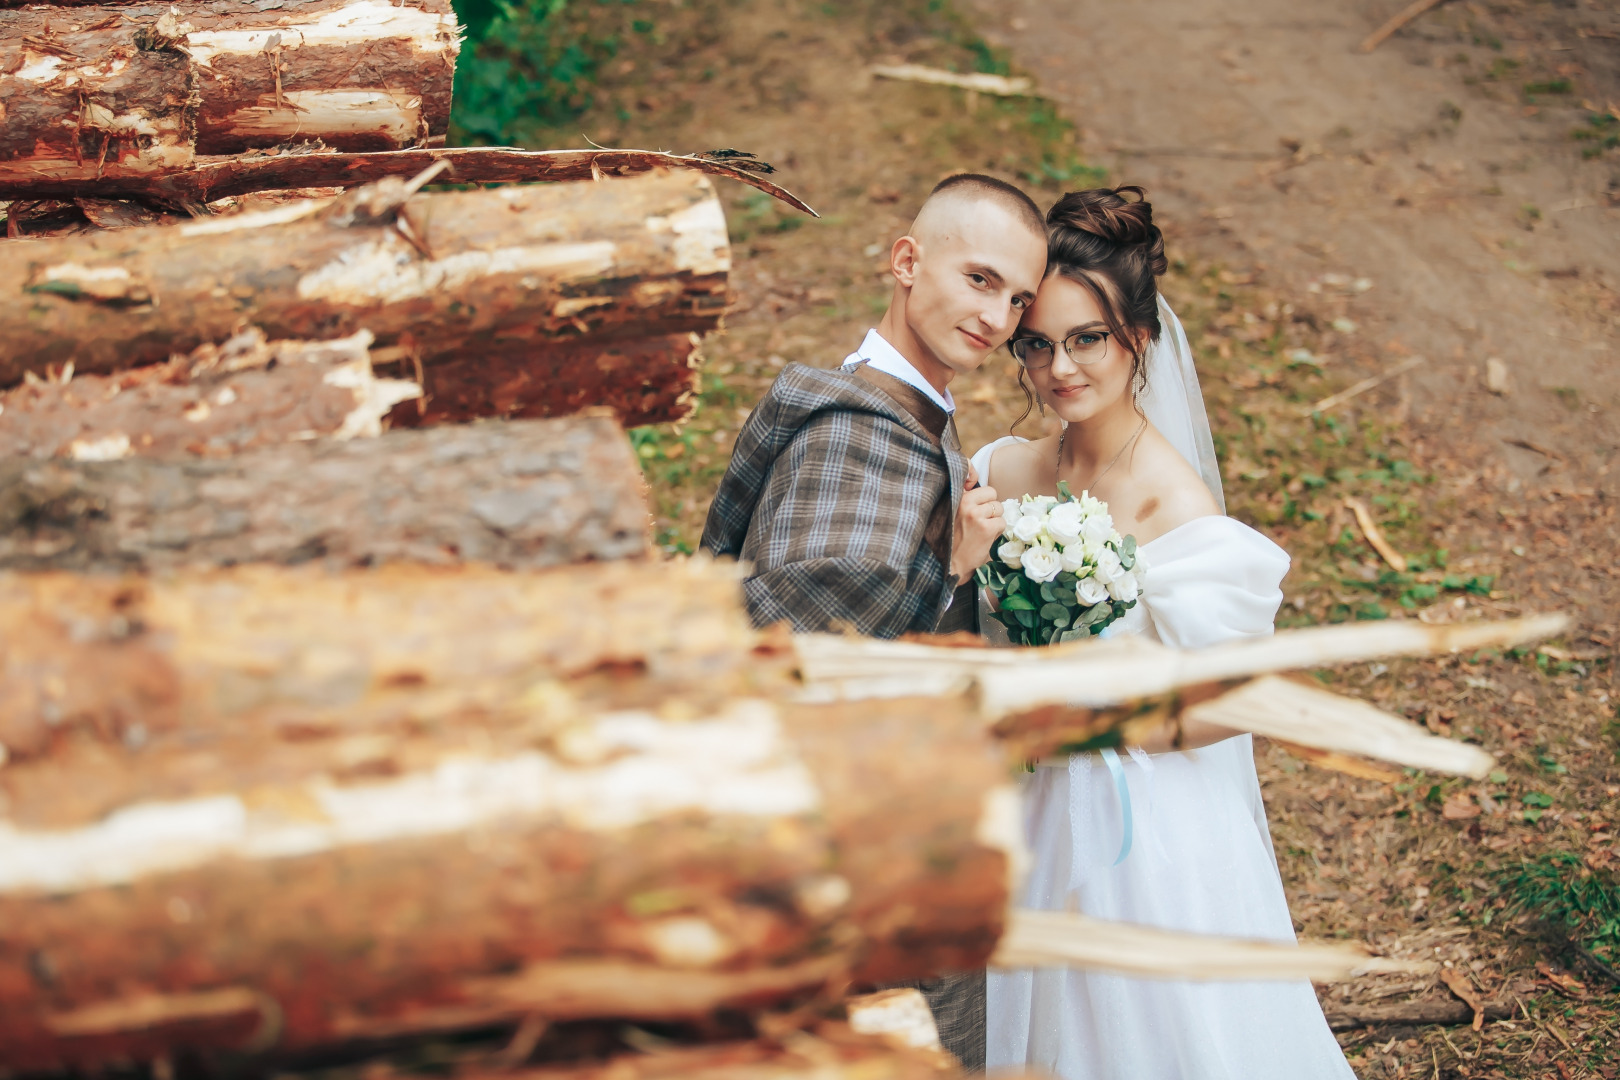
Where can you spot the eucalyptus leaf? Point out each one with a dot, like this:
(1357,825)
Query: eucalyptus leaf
(1025,616)
(1017,602)
(1063,490)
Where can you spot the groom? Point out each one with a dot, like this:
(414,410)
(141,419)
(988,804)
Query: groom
(847,492)
(844,486)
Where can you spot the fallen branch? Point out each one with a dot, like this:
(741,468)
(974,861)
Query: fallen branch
(1404,16)
(205,179)
(999,85)
(1345,1017)
(1068,939)
(1342,763)
(1333,401)
(1375,536)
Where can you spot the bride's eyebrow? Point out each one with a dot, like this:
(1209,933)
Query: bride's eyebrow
(1085,326)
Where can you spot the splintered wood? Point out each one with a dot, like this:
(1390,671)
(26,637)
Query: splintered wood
(439,277)
(526,495)
(132,91)
(560,795)
(1070,697)
(221,399)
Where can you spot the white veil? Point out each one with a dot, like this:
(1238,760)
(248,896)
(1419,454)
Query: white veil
(1174,404)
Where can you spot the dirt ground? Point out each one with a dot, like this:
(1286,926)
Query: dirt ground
(1331,216)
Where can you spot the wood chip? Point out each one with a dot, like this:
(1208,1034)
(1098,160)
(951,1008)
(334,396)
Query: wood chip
(984,84)
(1369,529)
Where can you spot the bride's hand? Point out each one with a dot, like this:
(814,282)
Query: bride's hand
(978,523)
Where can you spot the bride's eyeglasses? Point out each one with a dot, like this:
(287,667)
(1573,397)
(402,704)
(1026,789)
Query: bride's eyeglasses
(1083,347)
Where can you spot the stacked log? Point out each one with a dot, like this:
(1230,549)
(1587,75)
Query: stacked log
(523,495)
(347,815)
(137,90)
(508,275)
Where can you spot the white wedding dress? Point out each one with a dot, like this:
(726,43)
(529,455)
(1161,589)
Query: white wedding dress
(1200,860)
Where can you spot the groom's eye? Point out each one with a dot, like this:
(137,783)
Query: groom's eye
(978,279)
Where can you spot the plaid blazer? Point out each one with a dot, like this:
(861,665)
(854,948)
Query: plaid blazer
(842,494)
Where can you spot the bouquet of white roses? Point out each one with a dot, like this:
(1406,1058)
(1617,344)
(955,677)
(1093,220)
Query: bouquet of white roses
(1060,571)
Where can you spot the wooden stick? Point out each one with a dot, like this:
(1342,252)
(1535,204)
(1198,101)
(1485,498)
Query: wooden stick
(1345,1017)
(1375,537)
(1069,939)
(1333,401)
(1406,15)
(999,85)
(1343,763)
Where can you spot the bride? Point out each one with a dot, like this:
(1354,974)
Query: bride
(1173,837)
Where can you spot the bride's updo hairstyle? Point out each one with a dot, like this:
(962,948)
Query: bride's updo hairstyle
(1105,240)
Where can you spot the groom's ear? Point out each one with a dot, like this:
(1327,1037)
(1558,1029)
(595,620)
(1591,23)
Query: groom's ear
(903,259)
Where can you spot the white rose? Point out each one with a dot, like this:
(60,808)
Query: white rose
(1073,558)
(1123,588)
(1010,513)
(1028,526)
(1141,563)
(1041,564)
(1098,528)
(1044,502)
(1064,523)
(1090,592)
(1108,565)
(1011,552)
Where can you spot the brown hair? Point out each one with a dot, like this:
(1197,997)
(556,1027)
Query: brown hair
(1108,243)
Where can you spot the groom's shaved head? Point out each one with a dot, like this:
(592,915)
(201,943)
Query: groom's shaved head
(954,194)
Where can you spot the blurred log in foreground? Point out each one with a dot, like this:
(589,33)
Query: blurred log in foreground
(441,275)
(121,92)
(527,494)
(207,179)
(830,1052)
(586,864)
(219,400)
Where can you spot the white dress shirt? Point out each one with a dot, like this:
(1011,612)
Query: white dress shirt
(882,356)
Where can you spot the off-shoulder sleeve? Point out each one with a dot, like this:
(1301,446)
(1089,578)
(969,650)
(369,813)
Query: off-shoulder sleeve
(1213,580)
(981,461)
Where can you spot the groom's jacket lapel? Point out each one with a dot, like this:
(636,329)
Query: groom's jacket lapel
(939,425)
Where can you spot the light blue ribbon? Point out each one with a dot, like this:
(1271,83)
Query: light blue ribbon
(1117,771)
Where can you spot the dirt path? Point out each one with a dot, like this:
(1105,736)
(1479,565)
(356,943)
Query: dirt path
(1484,231)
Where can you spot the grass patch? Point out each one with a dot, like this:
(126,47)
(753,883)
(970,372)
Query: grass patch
(1562,891)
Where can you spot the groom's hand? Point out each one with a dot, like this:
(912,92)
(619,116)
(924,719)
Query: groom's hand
(978,523)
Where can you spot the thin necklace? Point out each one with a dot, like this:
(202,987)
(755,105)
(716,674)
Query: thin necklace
(1063,433)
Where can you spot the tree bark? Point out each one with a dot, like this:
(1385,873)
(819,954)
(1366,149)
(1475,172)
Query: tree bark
(219,400)
(113,92)
(830,1052)
(290,891)
(643,381)
(445,276)
(209,178)
(528,494)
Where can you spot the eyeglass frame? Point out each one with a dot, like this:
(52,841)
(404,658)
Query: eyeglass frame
(1101,349)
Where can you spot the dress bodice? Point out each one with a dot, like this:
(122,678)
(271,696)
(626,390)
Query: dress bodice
(1210,580)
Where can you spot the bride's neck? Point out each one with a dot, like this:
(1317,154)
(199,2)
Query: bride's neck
(1092,444)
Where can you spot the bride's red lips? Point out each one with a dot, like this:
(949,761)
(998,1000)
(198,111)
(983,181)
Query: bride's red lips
(1065,391)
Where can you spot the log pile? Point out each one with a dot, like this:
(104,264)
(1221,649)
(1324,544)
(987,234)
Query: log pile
(317,734)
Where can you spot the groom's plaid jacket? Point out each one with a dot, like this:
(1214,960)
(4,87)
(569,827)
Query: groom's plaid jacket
(842,494)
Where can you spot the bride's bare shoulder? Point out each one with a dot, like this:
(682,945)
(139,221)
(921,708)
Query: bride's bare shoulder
(1015,468)
(1169,491)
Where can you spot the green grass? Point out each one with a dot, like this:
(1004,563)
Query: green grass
(1562,891)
